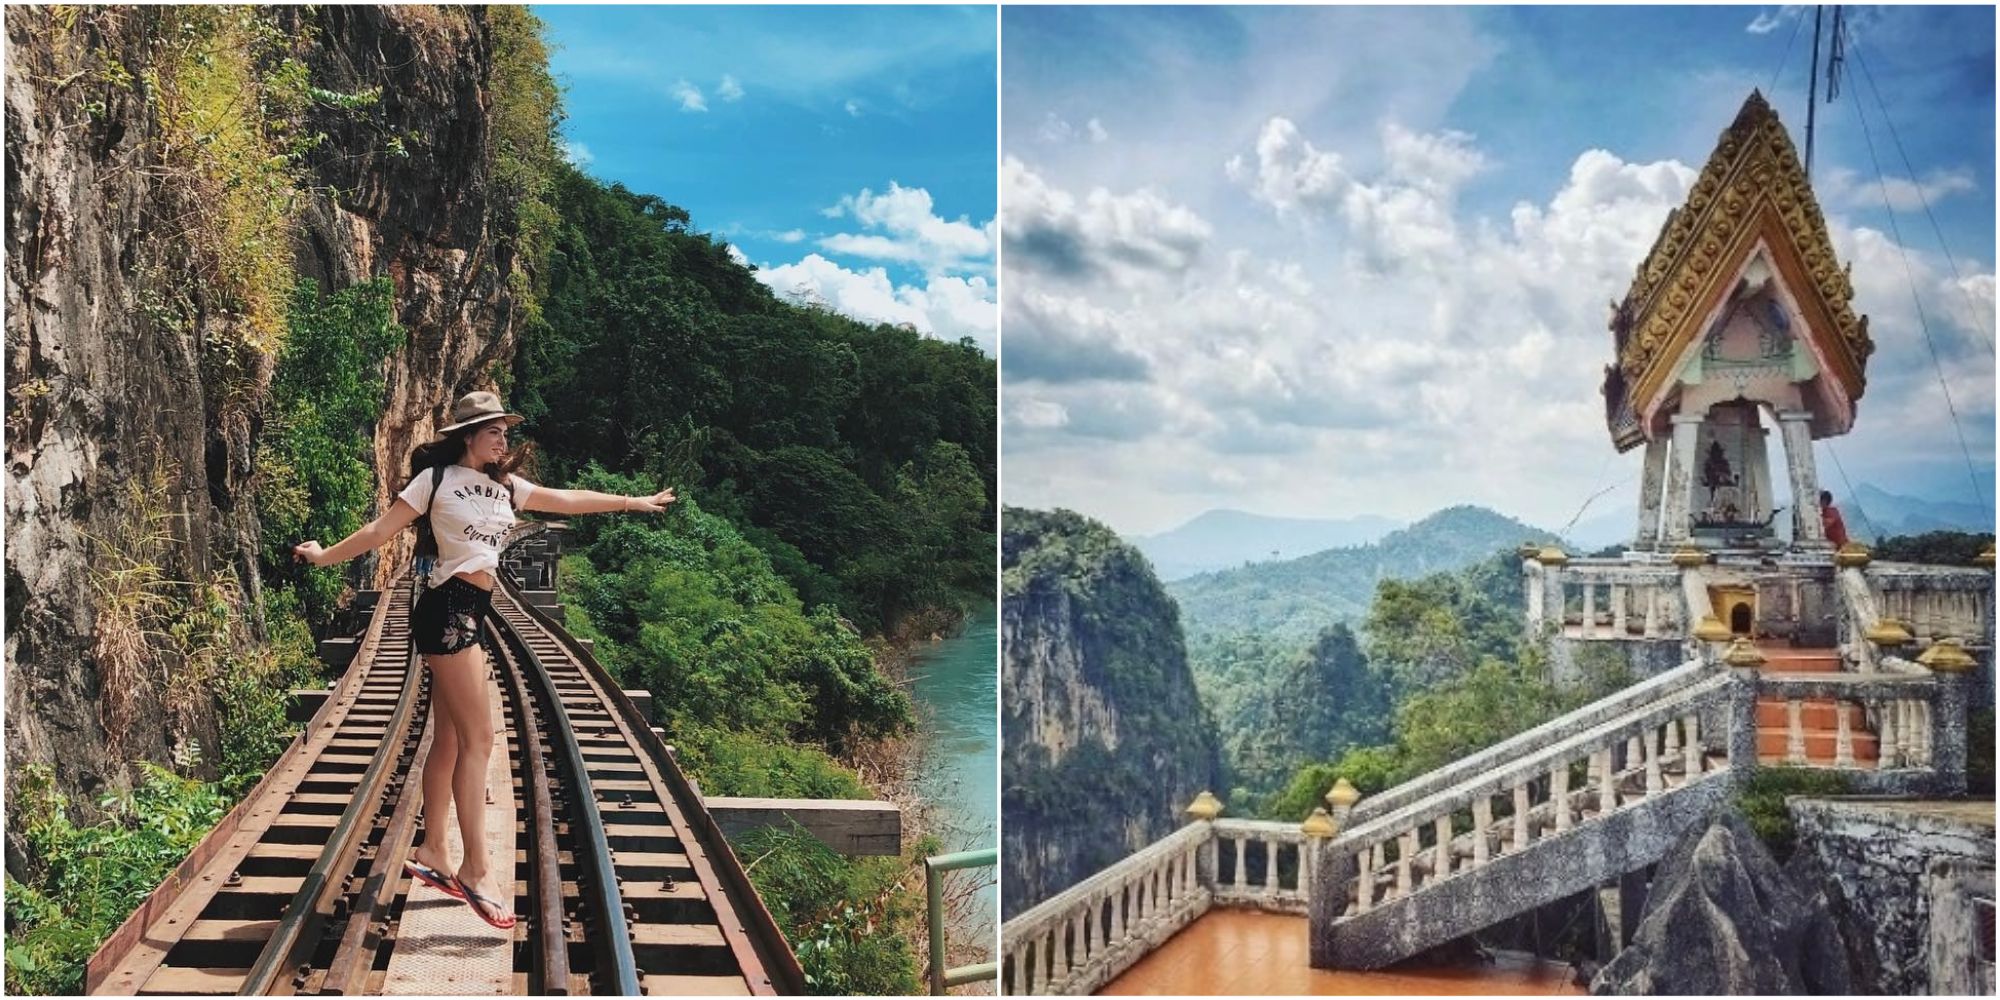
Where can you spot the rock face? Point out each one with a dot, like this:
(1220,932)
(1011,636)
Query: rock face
(1105,741)
(1723,918)
(1877,861)
(109,387)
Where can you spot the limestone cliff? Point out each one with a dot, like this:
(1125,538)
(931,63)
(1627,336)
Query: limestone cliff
(139,293)
(1104,739)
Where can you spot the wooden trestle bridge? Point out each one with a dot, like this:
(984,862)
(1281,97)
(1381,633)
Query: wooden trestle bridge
(622,879)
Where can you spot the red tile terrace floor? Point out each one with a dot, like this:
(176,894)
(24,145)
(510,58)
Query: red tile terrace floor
(1249,953)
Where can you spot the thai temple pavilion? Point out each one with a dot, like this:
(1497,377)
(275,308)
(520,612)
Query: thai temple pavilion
(1737,323)
(1753,641)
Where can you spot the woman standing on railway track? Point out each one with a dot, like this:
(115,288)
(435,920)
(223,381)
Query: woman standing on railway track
(465,481)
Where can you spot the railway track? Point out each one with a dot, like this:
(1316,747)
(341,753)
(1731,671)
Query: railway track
(623,882)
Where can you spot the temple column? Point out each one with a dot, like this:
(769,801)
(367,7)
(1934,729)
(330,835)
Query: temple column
(1649,495)
(1677,530)
(1759,460)
(1807,530)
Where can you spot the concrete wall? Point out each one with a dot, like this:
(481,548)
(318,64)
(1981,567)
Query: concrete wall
(1875,860)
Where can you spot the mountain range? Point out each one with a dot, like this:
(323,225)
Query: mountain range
(1227,539)
(1298,597)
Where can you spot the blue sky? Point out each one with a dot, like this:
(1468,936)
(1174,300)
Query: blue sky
(847,151)
(1329,262)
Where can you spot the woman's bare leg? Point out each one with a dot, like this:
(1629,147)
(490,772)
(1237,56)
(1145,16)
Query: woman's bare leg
(460,679)
(438,767)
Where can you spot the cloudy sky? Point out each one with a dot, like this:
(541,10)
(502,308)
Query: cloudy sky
(846,151)
(1334,262)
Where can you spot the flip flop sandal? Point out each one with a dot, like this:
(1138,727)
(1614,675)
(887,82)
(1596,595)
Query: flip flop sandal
(475,900)
(432,877)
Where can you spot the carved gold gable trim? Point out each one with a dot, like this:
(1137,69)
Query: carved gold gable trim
(1753,185)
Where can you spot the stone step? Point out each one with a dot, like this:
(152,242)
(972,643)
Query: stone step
(1779,658)
(1814,713)
(1771,746)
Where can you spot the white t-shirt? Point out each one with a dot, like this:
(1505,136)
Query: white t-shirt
(472,517)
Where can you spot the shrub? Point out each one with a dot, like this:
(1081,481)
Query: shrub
(841,914)
(89,878)
(1762,801)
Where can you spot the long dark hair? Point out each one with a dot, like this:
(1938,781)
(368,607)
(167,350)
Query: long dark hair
(449,449)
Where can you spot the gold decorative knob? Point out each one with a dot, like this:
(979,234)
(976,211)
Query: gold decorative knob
(1711,629)
(1205,806)
(1552,556)
(1319,824)
(1743,653)
(1888,632)
(1343,795)
(1853,555)
(1689,558)
(1985,557)
(1947,656)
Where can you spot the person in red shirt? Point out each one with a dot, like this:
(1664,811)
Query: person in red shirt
(1829,516)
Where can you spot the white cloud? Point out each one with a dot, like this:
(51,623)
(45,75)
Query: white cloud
(1034,414)
(1767,21)
(1051,231)
(576,153)
(729,89)
(853,108)
(1406,356)
(945,306)
(1846,188)
(902,225)
(1289,173)
(1095,129)
(1055,128)
(689,95)
(790,236)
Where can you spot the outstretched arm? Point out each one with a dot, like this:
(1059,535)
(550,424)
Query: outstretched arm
(556,501)
(367,539)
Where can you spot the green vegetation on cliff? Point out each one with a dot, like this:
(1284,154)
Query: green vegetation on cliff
(1445,673)
(1084,622)
(860,458)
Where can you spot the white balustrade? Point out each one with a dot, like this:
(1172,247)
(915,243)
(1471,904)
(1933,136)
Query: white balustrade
(1896,707)
(1082,937)
(1603,599)
(1935,602)
(1538,794)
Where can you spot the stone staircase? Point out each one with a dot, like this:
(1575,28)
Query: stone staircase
(1586,799)
(1821,720)
(1605,791)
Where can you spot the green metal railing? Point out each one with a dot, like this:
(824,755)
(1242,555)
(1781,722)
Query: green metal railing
(943,979)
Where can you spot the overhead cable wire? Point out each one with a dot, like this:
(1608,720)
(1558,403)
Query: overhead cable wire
(1797,23)
(1957,280)
(1853,497)
(1923,320)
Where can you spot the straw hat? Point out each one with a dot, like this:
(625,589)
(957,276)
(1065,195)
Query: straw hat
(478,408)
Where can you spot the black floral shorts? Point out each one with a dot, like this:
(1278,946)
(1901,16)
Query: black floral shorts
(447,618)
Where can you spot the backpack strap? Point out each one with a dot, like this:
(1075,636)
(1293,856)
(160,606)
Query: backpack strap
(437,476)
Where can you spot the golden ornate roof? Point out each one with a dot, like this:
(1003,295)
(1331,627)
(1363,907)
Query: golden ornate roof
(1753,187)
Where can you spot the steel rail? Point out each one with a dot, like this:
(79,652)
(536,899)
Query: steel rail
(291,768)
(551,956)
(753,934)
(607,902)
(361,940)
(289,942)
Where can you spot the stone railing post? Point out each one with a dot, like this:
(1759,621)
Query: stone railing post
(1953,667)
(1741,740)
